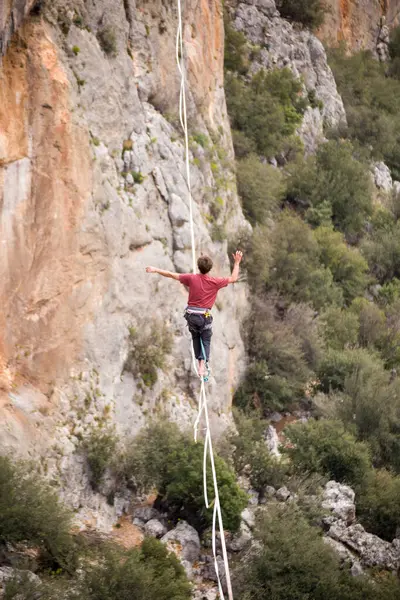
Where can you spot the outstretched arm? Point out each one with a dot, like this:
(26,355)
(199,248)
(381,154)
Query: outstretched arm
(163,273)
(237,257)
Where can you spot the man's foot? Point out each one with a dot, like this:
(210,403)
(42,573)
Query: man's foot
(201,369)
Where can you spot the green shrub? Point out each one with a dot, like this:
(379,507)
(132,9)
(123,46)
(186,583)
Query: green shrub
(261,188)
(31,512)
(340,328)
(242,144)
(337,366)
(283,350)
(100,447)
(110,573)
(293,562)
(295,268)
(310,13)
(326,447)
(382,251)
(372,320)
(236,54)
(372,102)
(378,504)
(347,265)
(281,92)
(148,573)
(76,50)
(172,462)
(147,353)
(249,448)
(335,178)
(108,40)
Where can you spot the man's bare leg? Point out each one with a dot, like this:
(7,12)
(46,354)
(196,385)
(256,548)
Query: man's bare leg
(201,368)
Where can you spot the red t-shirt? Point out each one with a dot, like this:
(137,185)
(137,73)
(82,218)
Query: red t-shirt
(203,289)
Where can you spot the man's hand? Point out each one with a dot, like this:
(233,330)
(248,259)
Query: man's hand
(237,257)
(163,273)
(151,270)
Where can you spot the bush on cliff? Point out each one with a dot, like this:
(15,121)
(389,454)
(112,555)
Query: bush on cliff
(163,457)
(326,447)
(31,512)
(294,562)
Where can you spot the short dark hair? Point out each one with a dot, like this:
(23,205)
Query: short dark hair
(205,264)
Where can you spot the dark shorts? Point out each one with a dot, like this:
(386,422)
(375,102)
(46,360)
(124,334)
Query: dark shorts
(201,329)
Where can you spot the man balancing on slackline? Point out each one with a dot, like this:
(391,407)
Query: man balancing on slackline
(203,291)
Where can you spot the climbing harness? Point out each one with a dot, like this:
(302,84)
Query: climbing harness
(203,406)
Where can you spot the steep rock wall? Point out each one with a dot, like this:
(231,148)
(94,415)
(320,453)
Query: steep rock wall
(358,22)
(79,122)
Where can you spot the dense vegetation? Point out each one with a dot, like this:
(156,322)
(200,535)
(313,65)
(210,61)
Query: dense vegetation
(323,263)
(293,562)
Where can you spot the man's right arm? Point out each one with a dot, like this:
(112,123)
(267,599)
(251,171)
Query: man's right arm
(163,273)
(237,257)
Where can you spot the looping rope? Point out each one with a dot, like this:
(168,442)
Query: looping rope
(203,406)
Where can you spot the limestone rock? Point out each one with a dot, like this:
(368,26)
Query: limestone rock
(371,550)
(339,499)
(241,539)
(145,513)
(284,46)
(184,541)
(248,517)
(7,573)
(155,528)
(382,176)
(272,441)
(282,494)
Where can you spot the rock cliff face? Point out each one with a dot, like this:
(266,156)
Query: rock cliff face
(359,22)
(92,189)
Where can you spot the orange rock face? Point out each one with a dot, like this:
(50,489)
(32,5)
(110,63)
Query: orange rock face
(357,22)
(45,182)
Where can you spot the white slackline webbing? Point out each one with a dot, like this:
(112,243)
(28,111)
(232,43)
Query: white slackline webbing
(203,407)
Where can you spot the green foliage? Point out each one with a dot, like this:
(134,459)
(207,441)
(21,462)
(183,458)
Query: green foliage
(100,447)
(108,40)
(310,13)
(295,268)
(76,50)
(148,573)
(236,56)
(340,328)
(347,265)
(110,573)
(326,447)
(201,139)
(249,448)
(381,248)
(31,512)
(147,353)
(242,144)
(378,505)
(270,129)
(283,350)
(372,102)
(172,462)
(293,562)
(333,178)
(261,188)
(336,366)
(137,176)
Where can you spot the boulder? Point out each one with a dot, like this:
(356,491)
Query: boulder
(371,550)
(155,528)
(382,177)
(145,513)
(248,517)
(339,499)
(272,441)
(184,541)
(282,494)
(240,540)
